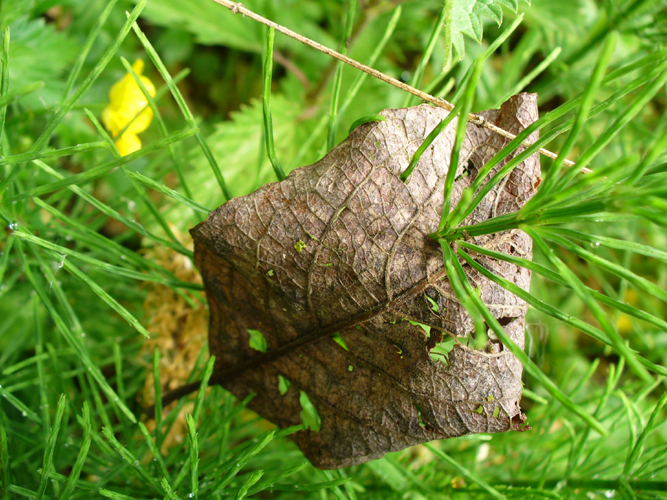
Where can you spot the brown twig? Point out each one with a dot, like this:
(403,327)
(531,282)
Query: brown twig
(238,8)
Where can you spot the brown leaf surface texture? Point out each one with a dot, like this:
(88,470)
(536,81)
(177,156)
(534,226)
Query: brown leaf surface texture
(342,246)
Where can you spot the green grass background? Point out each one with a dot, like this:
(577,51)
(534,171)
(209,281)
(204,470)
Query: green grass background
(86,263)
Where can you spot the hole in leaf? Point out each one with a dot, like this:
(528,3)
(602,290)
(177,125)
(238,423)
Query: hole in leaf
(434,305)
(339,340)
(440,352)
(350,368)
(310,418)
(283,384)
(496,412)
(419,415)
(257,340)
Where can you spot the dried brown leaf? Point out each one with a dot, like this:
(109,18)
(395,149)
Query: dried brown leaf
(342,246)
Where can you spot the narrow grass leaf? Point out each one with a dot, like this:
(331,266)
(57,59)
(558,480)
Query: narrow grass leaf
(639,445)
(74,343)
(461,126)
(338,76)
(201,394)
(4,85)
(534,73)
(101,170)
(236,464)
(593,306)
(157,388)
(74,475)
(312,486)
(161,125)
(268,483)
(20,406)
(167,191)
(85,50)
(616,269)
(54,153)
(130,459)
(65,107)
(462,287)
(50,448)
(4,461)
(266,105)
(433,39)
(556,278)
(248,483)
(194,457)
(178,97)
(471,476)
(429,140)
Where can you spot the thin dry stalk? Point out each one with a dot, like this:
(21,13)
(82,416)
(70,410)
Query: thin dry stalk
(238,8)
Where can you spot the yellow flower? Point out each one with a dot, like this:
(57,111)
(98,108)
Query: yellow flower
(126,101)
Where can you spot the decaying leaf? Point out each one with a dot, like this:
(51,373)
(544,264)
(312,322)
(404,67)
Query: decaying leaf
(342,247)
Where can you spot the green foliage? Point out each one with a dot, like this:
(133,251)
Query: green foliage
(88,237)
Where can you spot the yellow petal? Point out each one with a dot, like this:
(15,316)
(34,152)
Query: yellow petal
(128,143)
(126,102)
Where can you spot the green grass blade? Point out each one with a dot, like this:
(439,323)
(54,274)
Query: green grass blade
(161,125)
(109,268)
(199,399)
(556,278)
(194,457)
(596,240)
(128,457)
(545,308)
(578,287)
(462,288)
(50,448)
(625,117)
(266,105)
(534,73)
(4,257)
(104,169)
(639,281)
(592,87)
(73,342)
(461,127)
(20,406)
(171,495)
(471,476)
(87,45)
(429,140)
(157,387)
(63,109)
(268,483)
(178,97)
(433,39)
(167,191)
(74,475)
(235,465)
(639,445)
(108,299)
(248,483)
(352,92)
(16,95)
(487,53)
(4,461)
(4,86)
(155,451)
(55,153)
(338,76)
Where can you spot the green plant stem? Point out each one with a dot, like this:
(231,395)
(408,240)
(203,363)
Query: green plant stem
(266,105)
(338,77)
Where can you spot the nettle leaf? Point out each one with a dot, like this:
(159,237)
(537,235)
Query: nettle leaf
(350,319)
(466,19)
